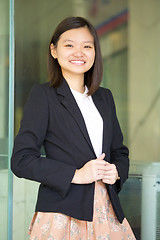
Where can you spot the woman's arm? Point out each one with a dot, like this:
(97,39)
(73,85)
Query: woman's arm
(26,161)
(118,152)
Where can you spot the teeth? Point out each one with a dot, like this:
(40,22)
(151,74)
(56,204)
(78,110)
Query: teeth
(77,61)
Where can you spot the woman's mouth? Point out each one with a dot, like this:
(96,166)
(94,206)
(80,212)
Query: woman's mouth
(77,62)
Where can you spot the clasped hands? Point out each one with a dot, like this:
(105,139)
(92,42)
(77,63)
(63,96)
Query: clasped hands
(94,170)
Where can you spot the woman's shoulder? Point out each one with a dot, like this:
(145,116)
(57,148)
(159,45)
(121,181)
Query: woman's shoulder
(106,95)
(42,88)
(104,91)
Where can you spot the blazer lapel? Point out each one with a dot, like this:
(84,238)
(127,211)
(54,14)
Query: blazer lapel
(103,110)
(67,100)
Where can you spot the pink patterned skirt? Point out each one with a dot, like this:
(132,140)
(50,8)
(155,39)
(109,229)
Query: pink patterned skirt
(105,226)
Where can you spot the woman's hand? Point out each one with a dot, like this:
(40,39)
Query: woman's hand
(92,171)
(111,174)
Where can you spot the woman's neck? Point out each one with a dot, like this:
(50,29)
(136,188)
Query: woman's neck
(76,83)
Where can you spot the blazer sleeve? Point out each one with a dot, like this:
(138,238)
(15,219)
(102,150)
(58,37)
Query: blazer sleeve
(118,152)
(26,160)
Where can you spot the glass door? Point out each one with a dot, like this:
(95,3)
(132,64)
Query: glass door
(6,116)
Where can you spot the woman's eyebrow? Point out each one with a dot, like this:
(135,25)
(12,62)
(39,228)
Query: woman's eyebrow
(69,40)
(89,42)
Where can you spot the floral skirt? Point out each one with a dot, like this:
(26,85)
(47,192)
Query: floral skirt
(105,226)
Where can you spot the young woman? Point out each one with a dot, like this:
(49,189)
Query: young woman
(86,162)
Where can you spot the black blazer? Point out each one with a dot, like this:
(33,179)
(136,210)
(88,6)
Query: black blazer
(52,119)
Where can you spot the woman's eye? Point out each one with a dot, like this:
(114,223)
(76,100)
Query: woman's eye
(69,45)
(87,46)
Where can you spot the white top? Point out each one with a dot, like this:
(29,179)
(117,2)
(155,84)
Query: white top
(92,118)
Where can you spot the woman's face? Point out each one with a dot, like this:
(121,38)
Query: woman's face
(75,52)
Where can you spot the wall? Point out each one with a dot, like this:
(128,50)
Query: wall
(144,84)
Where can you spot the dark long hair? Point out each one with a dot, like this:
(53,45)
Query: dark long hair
(93,77)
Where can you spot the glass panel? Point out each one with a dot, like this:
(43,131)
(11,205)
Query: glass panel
(4,87)
(3,199)
(4,61)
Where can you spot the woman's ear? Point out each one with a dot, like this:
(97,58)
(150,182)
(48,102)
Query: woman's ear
(53,51)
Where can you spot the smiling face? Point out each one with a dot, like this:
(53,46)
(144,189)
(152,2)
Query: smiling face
(75,52)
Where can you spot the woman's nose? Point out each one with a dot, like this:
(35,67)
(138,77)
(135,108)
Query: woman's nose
(78,52)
